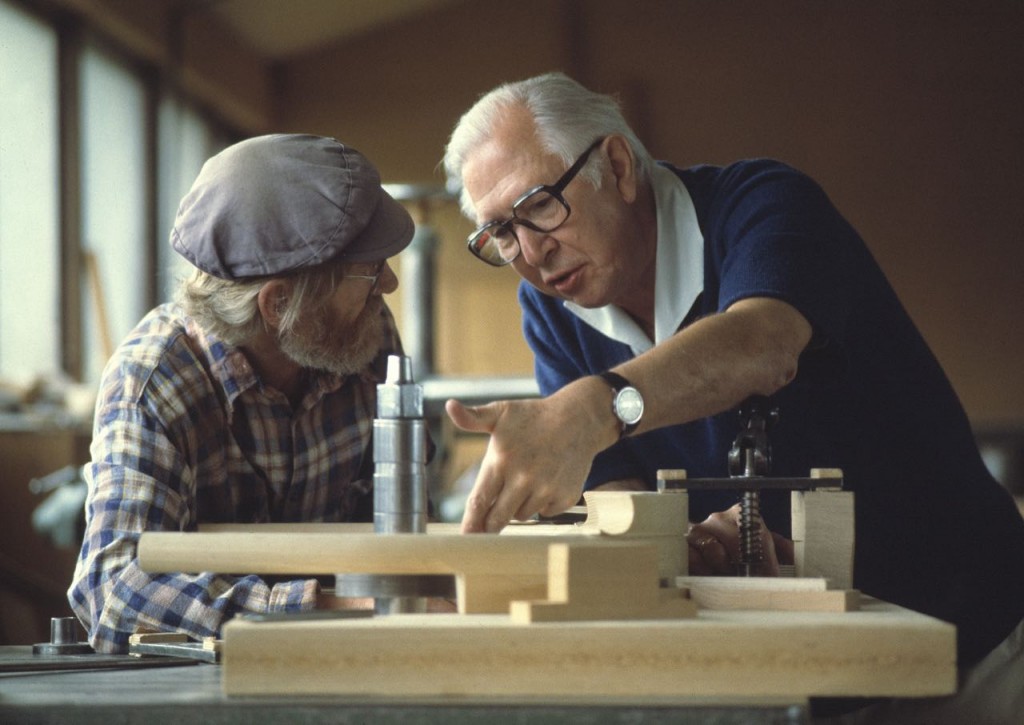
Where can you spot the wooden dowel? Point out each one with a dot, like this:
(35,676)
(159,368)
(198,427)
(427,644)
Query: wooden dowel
(283,552)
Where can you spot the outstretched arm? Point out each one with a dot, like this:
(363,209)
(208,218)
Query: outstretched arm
(540,451)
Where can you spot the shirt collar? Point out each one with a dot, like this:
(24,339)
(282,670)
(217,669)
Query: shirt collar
(679,275)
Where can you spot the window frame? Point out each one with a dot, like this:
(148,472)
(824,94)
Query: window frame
(74,34)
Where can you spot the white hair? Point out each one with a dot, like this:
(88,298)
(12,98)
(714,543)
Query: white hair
(567,116)
(229,309)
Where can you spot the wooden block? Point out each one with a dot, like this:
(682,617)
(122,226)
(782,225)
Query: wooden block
(157,638)
(636,513)
(174,644)
(881,650)
(622,571)
(768,594)
(492,593)
(820,473)
(672,474)
(660,518)
(823,535)
(613,582)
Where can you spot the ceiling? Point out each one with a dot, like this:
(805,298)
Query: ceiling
(278,29)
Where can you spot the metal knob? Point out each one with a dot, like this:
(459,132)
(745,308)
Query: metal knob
(63,639)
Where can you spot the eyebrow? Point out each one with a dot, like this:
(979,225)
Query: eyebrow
(507,209)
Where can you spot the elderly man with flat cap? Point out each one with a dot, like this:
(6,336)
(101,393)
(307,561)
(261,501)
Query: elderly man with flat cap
(250,399)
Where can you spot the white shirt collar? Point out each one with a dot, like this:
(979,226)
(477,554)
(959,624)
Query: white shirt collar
(679,276)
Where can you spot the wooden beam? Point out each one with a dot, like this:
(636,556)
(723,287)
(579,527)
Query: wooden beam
(491,570)
(769,594)
(330,552)
(882,650)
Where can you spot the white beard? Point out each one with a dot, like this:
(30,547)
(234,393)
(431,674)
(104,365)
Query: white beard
(319,344)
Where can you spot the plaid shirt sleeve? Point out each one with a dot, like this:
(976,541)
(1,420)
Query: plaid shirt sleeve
(139,481)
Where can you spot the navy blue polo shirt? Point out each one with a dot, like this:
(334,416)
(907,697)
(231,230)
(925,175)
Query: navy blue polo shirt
(934,531)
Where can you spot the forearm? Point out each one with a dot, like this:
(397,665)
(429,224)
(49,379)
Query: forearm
(139,482)
(716,363)
(114,598)
(541,450)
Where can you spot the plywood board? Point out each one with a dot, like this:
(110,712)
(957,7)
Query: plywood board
(769,593)
(881,650)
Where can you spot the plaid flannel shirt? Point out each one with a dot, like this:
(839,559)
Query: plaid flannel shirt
(185,433)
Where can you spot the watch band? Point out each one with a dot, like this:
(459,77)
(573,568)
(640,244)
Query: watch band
(618,383)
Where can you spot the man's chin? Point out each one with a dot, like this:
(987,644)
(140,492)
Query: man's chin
(352,364)
(343,364)
(360,347)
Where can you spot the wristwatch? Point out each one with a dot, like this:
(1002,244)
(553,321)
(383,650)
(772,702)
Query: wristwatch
(628,403)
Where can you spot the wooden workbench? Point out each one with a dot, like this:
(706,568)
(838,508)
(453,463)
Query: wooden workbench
(878,650)
(599,613)
(193,693)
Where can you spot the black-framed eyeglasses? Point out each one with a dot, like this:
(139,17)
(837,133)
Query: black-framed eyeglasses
(542,209)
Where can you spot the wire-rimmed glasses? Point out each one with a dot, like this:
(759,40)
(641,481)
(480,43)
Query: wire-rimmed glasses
(374,278)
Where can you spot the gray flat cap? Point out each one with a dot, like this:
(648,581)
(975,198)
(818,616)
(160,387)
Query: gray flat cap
(280,203)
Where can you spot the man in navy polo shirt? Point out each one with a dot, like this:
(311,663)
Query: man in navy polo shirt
(656,300)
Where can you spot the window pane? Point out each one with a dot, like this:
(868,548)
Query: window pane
(29,197)
(113,205)
(186,141)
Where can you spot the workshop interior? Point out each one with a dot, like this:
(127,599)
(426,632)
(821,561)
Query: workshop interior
(908,113)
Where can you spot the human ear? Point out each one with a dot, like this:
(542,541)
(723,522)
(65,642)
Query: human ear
(622,163)
(271,300)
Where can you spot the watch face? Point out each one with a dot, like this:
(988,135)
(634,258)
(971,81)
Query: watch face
(629,405)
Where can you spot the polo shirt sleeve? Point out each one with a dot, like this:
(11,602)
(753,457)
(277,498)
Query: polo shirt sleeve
(771,231)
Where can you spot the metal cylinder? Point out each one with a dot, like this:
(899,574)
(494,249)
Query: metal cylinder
(63,639)
(399,453)
(62,630)
(400,501)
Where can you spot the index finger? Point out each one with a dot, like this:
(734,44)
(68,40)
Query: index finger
(483,500)
(478,505)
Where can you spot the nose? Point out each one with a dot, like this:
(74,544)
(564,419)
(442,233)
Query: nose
(535,246)
(388,280)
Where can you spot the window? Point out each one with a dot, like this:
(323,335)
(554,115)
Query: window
(29,198)
(124,126)
(186,141)
(113,206)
